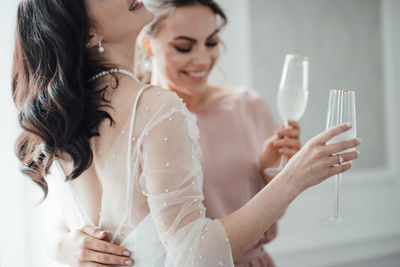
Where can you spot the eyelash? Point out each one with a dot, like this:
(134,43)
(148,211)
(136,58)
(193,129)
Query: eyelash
(187,50)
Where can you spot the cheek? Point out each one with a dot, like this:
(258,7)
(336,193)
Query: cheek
(175,62)
(214,55)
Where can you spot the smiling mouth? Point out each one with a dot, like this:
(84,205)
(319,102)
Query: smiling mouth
(134,5)
(196,74)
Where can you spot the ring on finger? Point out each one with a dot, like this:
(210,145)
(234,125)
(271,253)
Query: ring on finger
(340,159)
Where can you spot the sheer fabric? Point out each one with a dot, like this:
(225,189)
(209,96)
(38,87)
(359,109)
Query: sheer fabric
(151,199)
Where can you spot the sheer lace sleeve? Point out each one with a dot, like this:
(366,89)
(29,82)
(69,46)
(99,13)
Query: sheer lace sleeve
(172,182)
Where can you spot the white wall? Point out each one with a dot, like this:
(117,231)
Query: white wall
(22,241)
(13,246)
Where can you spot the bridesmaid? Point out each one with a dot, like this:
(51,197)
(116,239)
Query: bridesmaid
(238,137)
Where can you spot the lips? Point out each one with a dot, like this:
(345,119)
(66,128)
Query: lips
(135,5)
(196,75)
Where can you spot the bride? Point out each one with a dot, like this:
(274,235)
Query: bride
(127,150)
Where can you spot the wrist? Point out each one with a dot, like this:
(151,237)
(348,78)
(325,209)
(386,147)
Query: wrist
(292,188)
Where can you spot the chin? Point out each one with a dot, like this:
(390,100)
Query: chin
(140,20)
(147,16)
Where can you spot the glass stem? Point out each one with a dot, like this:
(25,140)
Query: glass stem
(336,203)
(284,159)
(283,162)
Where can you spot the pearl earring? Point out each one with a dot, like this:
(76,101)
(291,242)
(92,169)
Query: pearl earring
(100,47)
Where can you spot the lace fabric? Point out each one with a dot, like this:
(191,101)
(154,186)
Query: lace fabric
(151,184)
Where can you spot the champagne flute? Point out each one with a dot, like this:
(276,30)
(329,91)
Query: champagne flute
(341,108)
(292,96)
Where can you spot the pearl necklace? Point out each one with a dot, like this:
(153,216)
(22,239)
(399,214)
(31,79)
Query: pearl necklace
(110,71)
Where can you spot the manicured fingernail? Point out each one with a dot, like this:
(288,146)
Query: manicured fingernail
(129,262)
(278,142)
(282,150)
(358,152)
(349,124)
(126,253)
(359,140)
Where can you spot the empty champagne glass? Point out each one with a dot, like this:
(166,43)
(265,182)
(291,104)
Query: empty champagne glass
(341,109)
(292,96)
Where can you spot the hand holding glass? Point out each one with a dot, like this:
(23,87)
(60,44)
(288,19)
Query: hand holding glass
(292,96)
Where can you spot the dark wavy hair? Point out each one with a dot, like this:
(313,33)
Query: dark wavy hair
(59,110)
(161,9)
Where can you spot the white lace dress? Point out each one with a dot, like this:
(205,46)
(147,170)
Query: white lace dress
(151,200)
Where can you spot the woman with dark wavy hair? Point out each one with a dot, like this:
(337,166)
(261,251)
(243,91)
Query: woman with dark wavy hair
(126,152)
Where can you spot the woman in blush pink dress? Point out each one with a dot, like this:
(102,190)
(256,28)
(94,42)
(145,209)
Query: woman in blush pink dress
(238,137)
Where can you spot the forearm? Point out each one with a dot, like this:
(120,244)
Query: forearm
(246,225)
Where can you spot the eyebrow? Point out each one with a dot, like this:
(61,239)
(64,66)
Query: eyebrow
(193,40)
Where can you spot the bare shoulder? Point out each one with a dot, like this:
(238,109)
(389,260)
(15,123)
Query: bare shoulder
(158,96)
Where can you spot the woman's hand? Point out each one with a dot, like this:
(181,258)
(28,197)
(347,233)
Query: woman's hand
(317,160)
(86,248)
(286,142)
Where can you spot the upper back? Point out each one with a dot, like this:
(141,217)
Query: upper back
(102,188)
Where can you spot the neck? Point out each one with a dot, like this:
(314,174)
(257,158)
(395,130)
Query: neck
(120,54)
(193,100)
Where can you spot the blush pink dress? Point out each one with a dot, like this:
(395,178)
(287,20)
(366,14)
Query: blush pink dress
(232,132)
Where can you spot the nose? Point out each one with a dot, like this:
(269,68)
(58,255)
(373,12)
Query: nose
(202,57)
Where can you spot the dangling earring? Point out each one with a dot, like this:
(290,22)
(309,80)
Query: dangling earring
(100,47)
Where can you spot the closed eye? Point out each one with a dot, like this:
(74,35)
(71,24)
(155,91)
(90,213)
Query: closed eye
(183,49)
(212,44)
